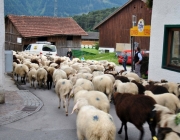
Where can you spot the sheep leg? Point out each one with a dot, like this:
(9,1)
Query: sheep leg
(50,84)
(152,127)
(142,132)
(120,130)
(23,79)
(65,104)
(47,84)
(34,85)
(59,101)
(17,76)
(125,128)
(80,137)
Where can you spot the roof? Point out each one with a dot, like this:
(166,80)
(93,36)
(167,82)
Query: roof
(34,26)
(91,35)
(112,14)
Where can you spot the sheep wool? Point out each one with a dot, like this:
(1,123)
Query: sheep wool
(63,89)
(167,99)
(92,123)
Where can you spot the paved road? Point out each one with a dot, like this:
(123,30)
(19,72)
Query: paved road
(50,123)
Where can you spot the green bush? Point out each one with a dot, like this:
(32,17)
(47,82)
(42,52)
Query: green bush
(96,46)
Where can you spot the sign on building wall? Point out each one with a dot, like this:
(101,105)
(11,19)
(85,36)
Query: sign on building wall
(19,40)
(141,29)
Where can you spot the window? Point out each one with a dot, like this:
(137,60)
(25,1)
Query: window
(171,48)
(69,37)
(49,48)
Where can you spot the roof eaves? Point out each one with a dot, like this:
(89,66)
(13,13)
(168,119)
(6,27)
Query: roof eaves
(8,16)
(108,17)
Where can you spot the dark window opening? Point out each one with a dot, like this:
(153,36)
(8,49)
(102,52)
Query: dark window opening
(53,43)
(42,39)
(69,37)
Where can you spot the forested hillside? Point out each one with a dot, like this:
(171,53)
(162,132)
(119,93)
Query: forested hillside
(88,21)
(60,8)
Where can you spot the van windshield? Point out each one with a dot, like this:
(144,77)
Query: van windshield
(28,47)
(49,48)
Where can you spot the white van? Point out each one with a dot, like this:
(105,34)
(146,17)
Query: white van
(44,48)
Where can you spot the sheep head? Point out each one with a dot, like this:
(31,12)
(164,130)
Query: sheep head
(80,103)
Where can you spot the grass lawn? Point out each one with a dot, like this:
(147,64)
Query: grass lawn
(96,56)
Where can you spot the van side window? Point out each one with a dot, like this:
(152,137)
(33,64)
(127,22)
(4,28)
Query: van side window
(50,48)
(28,47)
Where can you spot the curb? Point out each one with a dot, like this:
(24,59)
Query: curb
(32,104)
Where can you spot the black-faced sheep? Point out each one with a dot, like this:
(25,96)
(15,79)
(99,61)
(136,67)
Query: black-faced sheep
(132,75)
(166,118)
(135,109)
(92,123)
(122,78)
(141,88)
(166,133)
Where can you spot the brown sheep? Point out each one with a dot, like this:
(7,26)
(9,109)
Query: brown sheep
(135,109)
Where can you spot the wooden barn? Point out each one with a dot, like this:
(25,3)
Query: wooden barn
(116,27)
(20,31)
(91,39)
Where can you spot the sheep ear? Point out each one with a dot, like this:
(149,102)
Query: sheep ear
(75,107)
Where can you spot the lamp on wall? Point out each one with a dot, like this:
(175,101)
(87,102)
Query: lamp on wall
(134,18)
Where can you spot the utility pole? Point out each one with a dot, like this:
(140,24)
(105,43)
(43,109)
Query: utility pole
(55,8)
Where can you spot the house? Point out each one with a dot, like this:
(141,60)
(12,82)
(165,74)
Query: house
(20,31)
(116,27)
(164,60)
(89,40)
(2,39)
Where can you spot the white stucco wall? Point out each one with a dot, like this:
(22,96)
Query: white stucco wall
(164,12)
(2,40)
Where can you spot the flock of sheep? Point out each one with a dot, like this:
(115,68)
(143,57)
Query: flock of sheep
(94,85)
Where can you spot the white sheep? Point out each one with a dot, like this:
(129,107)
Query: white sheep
(167,118)
(166,99)
(22,70)
(97,73)
(32,76)
(69,71)
(41,77)
(111,76)
(125,87)
(82,84)
(131,74)
(92,123)
(87,76)
(104,84)
(63,88)
(58,74)
(96,98)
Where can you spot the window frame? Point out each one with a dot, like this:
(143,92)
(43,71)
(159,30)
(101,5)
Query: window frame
(167,47)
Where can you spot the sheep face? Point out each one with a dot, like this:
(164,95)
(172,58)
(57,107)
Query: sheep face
(80,103)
